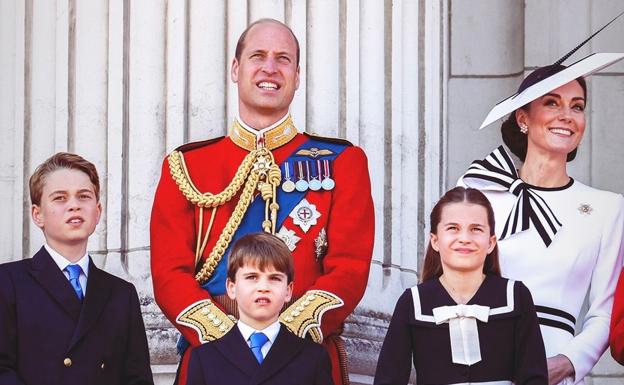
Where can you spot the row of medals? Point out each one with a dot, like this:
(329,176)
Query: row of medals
(310,175)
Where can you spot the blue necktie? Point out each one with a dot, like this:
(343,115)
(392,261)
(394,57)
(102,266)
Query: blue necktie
(257,342)
(74,273)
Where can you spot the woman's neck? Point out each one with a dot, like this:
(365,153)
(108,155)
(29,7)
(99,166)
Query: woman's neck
(544,169)
(462,286)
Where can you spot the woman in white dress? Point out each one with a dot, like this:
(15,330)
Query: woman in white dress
(560,237)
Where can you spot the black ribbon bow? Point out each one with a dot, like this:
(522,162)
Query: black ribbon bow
(497,172)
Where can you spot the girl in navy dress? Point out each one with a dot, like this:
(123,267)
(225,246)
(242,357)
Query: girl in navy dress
(464,323)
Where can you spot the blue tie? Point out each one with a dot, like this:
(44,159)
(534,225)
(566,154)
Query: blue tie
(257,342)
(74,273)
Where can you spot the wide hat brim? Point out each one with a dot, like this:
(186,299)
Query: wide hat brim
(584,67)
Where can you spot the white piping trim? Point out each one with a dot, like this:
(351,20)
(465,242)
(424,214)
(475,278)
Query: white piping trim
(510,300)
(556,318)
(495,311)
(417,310)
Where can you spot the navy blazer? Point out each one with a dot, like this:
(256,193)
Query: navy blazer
(47,336)
(229,361)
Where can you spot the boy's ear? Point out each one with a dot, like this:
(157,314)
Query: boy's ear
(99,209)
(37,217)
(289,291)
(230,287)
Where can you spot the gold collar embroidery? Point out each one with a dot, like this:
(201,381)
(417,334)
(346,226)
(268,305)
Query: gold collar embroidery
(272,138)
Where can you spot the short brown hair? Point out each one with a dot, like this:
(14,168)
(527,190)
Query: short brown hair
(432,266)
(262,250)
(240,45)
(61,160)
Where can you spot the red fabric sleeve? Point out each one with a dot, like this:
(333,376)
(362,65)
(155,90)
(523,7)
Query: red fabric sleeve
(350,235)
(616,336)
(172,238)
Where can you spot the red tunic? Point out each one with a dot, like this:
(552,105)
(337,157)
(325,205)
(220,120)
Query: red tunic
(346,215)
(616,337)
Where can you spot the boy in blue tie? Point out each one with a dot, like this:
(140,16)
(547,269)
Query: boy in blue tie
(62,319)
(258,349)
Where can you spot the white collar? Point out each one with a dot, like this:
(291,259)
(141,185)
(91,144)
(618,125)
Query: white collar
(63,262)
(270,331)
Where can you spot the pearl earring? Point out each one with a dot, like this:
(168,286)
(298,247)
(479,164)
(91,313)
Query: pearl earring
(523,128)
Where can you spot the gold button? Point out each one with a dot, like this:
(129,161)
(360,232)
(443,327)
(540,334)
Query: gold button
(102,366)
(67,362)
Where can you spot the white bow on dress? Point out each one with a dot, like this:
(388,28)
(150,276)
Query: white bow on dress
(462,320)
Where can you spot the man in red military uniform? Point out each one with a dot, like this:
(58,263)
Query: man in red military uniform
(312,192)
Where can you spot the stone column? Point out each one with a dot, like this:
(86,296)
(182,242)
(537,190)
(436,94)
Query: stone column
(486,65)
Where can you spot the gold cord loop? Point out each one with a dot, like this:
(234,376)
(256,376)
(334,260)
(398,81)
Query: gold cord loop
(258,171)
(179,172)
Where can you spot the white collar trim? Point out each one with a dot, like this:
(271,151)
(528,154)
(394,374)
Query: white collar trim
(493,311)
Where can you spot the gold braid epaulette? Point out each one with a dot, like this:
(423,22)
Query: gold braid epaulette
(206,319)
(179,172)
(258,170)
(303,317)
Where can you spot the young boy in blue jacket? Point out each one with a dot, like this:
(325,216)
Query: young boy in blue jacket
(62,319)
(258,349)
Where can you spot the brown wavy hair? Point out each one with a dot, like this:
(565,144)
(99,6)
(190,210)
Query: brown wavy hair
(432,266)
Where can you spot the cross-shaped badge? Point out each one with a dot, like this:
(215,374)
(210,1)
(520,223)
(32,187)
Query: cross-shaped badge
(304,215)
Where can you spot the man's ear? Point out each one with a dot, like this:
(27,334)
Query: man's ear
(234,71)
(297,81)
(37,217)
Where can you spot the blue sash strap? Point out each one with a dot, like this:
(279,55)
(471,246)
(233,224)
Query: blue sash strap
(252,220)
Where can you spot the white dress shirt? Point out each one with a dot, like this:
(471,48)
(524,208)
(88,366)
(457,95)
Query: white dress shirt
(63,262)
(270,331)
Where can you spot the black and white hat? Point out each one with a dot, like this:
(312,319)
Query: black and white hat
(547,78)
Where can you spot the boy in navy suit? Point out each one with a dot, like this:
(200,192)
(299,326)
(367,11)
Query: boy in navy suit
(258,349)
(62,319)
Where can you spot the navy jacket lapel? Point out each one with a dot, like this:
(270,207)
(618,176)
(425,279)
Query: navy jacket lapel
(283,350)
(235,349)
(98,292)
(47,273)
